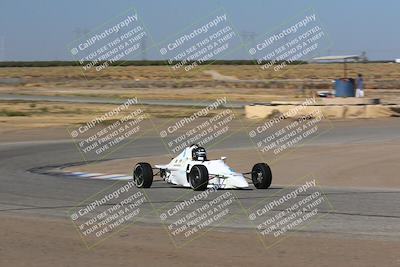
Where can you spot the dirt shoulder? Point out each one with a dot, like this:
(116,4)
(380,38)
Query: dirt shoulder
(27,241)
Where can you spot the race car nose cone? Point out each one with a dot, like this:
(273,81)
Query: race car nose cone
(242,184)
(238,181)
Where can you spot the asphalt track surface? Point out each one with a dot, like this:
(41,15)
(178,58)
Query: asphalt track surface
(369,213)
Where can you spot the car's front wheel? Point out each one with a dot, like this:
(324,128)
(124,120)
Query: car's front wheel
(143,175)
(261,176)
(198,177)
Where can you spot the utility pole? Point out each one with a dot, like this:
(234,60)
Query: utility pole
(248,37)
(144,48)
(364,57)
(2,49)
(79,33)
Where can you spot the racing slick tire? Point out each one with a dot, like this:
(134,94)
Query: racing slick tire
(261,176)
(143,175)
(198,178)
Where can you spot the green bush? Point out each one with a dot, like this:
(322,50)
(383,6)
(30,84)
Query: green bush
(9,113)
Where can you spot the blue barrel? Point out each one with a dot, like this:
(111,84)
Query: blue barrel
(345,87)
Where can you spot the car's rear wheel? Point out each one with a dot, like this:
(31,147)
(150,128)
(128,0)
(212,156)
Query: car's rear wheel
(261,176)
(198,177)
(143,175)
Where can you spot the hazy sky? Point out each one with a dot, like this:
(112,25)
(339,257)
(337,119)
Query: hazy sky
(42,29)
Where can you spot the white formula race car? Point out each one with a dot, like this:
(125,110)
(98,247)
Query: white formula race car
(191,168)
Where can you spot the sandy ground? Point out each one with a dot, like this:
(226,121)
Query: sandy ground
(350,165)
(158,82)
(28,241)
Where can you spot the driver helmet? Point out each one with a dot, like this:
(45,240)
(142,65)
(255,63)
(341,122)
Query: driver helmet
(199,153)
